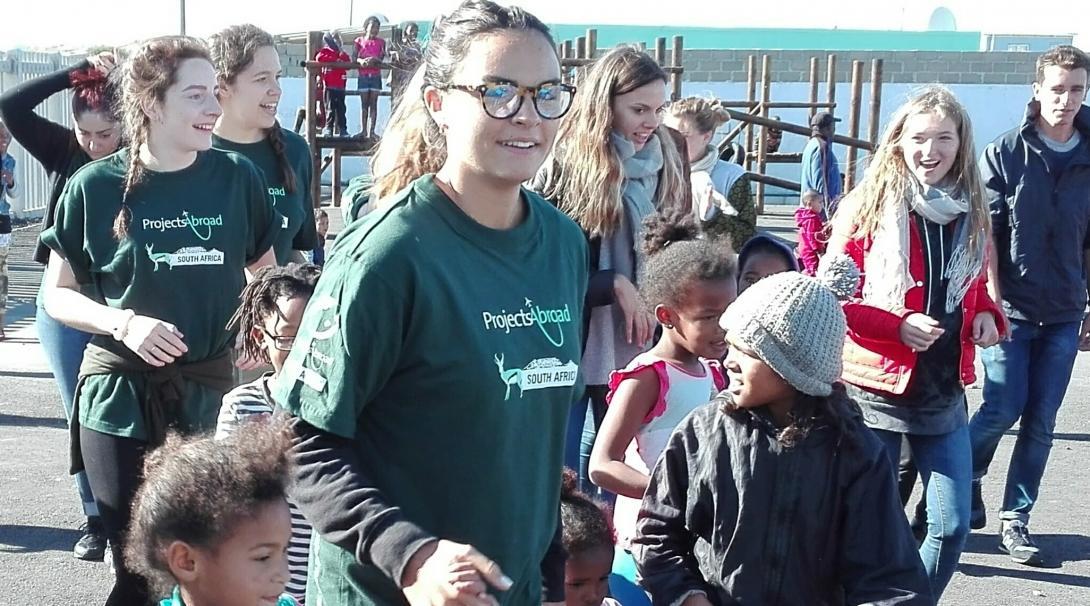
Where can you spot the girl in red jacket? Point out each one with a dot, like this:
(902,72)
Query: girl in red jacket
(918,228)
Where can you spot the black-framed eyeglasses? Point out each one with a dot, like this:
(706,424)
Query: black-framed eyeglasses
(281,342)
(502,100)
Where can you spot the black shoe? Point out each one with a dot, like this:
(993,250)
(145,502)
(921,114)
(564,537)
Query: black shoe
(91,547)
(919,520)
(1014,539)
(978,516)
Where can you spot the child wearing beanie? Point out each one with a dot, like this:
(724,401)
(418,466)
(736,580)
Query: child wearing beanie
(791,497)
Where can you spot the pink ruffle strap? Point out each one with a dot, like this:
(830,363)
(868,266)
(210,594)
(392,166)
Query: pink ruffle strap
(659,366)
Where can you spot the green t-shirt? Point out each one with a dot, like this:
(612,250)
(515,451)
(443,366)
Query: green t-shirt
(296,208)
(192,233)
(449,353)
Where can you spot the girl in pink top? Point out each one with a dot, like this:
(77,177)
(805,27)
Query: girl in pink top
(688,284)
(370,52)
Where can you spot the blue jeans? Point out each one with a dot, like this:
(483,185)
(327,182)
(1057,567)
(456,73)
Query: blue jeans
(1024,378)
(945,466)
(64,347)
(579,441)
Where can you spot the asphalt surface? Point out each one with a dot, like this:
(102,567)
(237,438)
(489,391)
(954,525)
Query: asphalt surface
(39,510)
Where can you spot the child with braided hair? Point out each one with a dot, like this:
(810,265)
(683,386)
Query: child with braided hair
(267,320)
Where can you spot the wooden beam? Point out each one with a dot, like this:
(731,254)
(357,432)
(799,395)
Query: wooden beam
(314,42)
(813,85)
(778,182)
(853,121)
(677,62)
(762,143)
(751,98)
(788,127)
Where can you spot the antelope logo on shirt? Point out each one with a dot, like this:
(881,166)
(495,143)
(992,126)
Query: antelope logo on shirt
(542,373)
(189,255)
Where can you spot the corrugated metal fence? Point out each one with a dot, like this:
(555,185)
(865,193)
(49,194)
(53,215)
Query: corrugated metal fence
(15,67)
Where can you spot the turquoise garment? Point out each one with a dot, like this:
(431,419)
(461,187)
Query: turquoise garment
(175,599)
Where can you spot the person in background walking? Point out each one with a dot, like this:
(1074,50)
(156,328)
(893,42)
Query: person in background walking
(820,171)
(1037,179)
(7,192)
(62,150)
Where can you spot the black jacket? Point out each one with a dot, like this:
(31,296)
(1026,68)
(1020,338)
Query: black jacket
(1039,222)
(732,512)
(51,144)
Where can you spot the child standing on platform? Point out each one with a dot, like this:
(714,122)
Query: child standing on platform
(335,81)
(812,238)
(370,52)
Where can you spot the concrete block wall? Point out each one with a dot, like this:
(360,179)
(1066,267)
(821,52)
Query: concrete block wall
(899,67)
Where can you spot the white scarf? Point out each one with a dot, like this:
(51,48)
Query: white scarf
(886,265)
(707,202)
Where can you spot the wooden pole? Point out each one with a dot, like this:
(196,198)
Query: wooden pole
(751,98)
(853,120)
(581,47)
(762,143)
(314,42)
(831,77)
(676,61)
(592,43)
(813,85)
(788,127)
(660,51)
(335,177)
(566,50)
(875,100)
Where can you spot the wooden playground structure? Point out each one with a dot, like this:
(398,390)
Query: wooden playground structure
(751,114)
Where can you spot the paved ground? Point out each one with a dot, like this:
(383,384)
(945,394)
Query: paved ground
(39,509)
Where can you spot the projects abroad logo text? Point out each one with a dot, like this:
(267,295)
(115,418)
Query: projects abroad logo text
(530,315)
(201,226)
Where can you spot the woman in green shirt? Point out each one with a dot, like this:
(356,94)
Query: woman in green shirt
(248,69)
(152,244)
(436,363)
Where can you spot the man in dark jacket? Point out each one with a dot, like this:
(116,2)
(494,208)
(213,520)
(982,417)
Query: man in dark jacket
(1037,178)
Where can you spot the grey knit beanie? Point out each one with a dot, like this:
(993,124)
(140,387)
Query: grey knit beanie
(794,323)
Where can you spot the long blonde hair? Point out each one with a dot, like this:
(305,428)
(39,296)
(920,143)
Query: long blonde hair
(586,176)
(413,145)
(888,180)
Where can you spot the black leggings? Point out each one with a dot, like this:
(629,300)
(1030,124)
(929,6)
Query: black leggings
(115,467)
(336,112)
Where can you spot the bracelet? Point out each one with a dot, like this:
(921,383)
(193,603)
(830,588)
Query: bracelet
(120,332)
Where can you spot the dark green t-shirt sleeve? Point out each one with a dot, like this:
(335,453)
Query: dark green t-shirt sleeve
(68,234)
(264,220)
(307,236)
(347,347)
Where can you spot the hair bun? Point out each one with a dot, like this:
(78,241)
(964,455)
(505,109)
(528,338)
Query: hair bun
(663,229)
(840,274)
(569,483)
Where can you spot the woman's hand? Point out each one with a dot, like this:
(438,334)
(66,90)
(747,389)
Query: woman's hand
(445,573)
(156,342)
(920,331)
(638,322)
(985,332)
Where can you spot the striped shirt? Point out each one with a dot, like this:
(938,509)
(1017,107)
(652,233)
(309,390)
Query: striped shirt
(239,404)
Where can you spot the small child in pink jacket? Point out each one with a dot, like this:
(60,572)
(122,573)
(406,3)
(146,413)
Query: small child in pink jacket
(811,226)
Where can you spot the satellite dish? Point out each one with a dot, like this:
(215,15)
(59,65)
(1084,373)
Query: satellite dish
(942,20)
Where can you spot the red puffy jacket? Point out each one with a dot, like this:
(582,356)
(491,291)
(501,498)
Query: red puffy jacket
(333,78)
(874,356)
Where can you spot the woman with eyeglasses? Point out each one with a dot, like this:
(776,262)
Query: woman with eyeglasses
(614,165)
(435,364)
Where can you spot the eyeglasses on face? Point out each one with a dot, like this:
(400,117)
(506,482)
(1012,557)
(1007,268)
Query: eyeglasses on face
(502,100)
(281,342)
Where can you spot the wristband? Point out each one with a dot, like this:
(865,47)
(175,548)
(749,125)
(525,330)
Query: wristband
(121,331)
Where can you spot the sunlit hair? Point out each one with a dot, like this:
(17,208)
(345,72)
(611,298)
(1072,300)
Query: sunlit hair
(889,181)
(587,174)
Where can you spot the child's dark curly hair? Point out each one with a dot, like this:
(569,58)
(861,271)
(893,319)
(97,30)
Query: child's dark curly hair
(197,489)
(585,523)
(259,300)
(677,256)
(837,411)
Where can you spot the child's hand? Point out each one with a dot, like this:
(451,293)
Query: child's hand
(448,573)
(920,331)
(985,332)
(697,600)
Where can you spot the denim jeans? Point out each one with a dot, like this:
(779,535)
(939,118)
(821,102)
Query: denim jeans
(579,441)
(945,467)
(1024,378)
(64,347)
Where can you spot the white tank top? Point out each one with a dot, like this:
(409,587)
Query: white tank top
(679,394)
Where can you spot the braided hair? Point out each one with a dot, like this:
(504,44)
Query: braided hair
(259,300)
(145,78)
(232,52)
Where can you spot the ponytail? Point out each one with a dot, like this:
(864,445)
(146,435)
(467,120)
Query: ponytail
(413,144)
(134,172)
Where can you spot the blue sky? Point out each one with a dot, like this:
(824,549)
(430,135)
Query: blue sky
(77,23)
